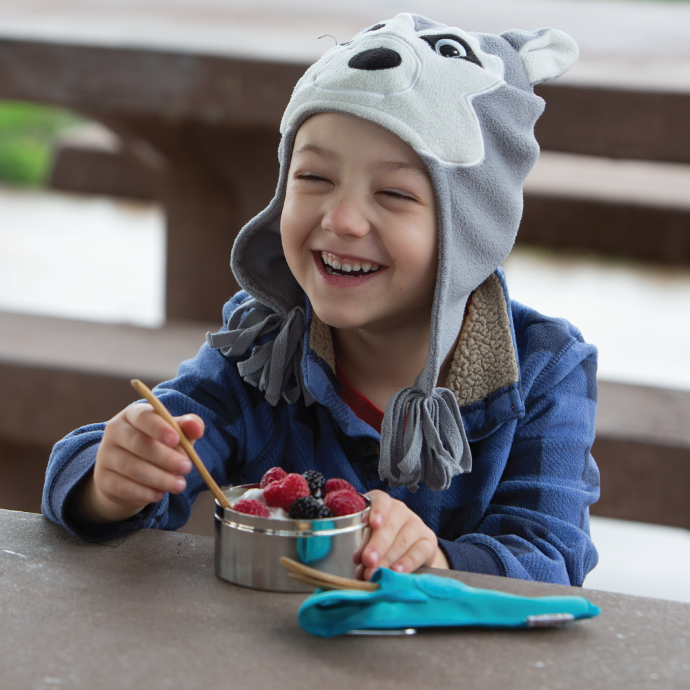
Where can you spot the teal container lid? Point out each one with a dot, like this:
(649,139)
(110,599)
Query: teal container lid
(429,601)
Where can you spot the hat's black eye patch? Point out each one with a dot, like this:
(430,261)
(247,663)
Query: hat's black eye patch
(451,46)
(375,28)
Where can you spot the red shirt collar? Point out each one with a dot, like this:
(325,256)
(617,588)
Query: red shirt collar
(361,406)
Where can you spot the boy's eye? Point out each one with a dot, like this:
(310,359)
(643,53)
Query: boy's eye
(397,195)
(311,177)
(451,46)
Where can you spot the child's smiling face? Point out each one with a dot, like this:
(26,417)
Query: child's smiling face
(359,197)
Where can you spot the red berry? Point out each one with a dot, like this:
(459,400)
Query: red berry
(338,485)
(251,506)
(275,474)
(284,493)
(344,502)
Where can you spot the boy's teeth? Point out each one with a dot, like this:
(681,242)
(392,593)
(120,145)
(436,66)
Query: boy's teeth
(346,266)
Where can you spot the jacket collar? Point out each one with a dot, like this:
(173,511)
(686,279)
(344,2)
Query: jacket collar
(484,374)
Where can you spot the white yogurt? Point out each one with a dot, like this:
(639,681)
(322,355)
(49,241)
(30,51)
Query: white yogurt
(258,495)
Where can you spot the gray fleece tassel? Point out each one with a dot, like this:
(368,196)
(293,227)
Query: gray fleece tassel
(412,448)
(273,363)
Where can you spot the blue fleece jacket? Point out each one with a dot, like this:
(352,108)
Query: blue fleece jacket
(523,510)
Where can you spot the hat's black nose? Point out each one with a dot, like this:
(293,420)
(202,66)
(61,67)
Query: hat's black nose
(376,58)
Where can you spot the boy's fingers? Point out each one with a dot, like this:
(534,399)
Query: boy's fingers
(411,547)
(146,420)
(142,447)
(123,491)
(368,554)
(146,473)
(399,539)
(382,539)
(367,573)
(192,425)
(416,556)
(400,543)
(380,507)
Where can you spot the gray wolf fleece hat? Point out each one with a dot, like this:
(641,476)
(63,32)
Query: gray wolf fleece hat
(464,102)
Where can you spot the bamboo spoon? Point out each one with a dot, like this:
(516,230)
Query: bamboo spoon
(317,578)
(158,406)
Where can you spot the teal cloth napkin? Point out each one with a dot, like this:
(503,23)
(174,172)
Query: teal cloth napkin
(429,601)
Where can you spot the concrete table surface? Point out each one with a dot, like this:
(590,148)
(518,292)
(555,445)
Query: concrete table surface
(148,612)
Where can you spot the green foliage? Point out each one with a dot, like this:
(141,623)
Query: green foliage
(27,137)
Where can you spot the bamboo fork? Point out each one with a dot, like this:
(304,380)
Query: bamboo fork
(317,578)
(158,406)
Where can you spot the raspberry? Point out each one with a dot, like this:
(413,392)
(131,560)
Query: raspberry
(338,485)
(344,502)
(284,493)
(309,508)
(275,474)
(316,481)
(251,506)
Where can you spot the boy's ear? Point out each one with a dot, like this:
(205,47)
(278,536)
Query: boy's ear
(546,53)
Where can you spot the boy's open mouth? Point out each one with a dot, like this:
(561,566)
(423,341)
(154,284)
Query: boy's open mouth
(347,267)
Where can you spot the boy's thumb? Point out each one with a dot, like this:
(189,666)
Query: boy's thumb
(192,425)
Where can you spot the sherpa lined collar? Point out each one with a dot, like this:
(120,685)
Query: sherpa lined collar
(484,361)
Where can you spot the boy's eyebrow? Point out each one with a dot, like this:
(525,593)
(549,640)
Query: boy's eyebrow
(403,165)
(383,165)
(313,148)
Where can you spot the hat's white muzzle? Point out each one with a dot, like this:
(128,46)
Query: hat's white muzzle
(381,65)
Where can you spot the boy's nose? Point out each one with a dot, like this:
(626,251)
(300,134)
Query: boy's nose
(344,218)
(375,59)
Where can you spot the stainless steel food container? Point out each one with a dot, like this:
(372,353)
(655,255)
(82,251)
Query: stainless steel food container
(248,547)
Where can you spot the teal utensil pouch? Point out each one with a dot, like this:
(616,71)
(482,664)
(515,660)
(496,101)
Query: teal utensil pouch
(429,601)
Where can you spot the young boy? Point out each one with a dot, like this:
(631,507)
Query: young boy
(372,282)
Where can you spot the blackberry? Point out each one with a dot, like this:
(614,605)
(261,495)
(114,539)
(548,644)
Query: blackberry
(309,508)
(316,482)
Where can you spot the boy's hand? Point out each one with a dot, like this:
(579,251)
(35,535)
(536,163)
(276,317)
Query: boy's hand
(138,461)
(398,539)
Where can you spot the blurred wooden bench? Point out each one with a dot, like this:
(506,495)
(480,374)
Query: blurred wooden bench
(196,125)
(593,189)
(203,130)
(58,375)
(198,131)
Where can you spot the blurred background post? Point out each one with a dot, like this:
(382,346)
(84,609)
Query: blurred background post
(136,138)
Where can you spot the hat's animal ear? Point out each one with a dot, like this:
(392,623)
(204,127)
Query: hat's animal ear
(546,53)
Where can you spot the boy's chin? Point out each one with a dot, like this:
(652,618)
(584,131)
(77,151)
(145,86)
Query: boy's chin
(359,320)
(339,320)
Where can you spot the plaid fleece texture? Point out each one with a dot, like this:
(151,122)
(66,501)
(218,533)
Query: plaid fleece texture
(523,510)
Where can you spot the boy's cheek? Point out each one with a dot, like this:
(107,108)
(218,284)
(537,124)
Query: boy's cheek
(293,235)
